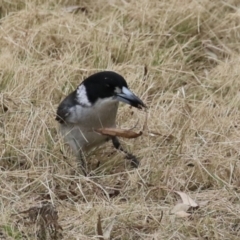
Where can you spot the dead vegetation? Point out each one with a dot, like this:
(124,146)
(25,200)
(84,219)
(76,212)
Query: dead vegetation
(182,59)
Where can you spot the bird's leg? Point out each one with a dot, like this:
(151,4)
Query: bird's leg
(129,156)
(82,162)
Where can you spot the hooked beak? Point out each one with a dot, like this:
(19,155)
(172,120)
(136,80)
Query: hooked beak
(130,98)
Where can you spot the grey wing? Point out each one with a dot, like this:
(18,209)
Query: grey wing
(62,114)
(65,108)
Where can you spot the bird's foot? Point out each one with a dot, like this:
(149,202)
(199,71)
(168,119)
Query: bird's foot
(133,160)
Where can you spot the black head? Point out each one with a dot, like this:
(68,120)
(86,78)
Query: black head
(109,84)
(103,85)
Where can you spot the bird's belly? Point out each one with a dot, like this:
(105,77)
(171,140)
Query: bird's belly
(78,138)
(79,131)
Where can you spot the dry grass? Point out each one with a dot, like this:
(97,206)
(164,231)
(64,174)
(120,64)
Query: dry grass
(191,53)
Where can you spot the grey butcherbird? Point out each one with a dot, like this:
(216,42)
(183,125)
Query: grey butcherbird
(94,105)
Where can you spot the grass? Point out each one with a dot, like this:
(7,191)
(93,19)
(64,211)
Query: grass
(181,59)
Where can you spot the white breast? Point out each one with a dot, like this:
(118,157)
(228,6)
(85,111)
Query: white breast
(79,132)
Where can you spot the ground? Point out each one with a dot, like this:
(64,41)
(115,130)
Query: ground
(182,59)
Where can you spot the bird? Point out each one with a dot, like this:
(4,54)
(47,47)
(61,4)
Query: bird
(93,105)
